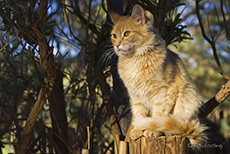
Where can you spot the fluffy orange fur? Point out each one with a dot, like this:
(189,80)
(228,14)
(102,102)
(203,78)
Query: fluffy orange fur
(162,96)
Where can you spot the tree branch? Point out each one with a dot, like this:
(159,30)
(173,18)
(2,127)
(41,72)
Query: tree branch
(225,23)
(78,13)
(31,120)
(215,101)
(225,90)
(108,102)
(48,64)
(212,42)
(9,42)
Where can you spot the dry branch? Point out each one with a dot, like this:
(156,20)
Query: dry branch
(225,91)
(28,129)
(7,43)
(78,13)
(215,101)
(108,102)
(211,41)
(48,64)
(224,19)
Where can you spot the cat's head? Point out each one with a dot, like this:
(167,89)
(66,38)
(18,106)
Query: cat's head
(131,34)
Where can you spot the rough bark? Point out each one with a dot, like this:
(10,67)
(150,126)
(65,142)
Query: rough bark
(215,101)
(48,64)
(31,120)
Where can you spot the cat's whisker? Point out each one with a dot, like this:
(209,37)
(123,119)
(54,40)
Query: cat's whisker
(111,49)
(108,60)
(111,55)
(106,57)
(107,46)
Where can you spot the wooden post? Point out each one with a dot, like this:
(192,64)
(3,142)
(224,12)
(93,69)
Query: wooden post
(123,148)
(116,143)
(85,151)
(159,145)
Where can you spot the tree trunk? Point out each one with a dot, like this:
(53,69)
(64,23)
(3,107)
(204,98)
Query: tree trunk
(36,109)
(58,113)
(48,65)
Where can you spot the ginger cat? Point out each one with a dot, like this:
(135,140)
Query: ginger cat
(163,98)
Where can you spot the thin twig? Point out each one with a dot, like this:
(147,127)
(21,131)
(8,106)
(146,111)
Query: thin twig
(7,37)
(88,134)
(212,42)
(9,42)
(209,29)
(201,23)
(92,27)
(59,62)
(60,138)
(225,23)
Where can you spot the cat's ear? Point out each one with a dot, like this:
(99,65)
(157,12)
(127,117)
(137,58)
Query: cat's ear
(114,16)
(138,14)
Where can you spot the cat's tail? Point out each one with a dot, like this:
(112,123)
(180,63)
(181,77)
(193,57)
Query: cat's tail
(193,129)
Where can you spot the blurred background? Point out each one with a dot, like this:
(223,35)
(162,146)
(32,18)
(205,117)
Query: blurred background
(87,91)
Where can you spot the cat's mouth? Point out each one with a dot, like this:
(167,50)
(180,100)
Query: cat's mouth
(125,52)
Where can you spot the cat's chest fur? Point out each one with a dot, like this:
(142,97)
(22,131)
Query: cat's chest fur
(138,72)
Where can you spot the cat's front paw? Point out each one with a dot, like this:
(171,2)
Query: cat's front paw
(168,134)
(151,133)
(135,134)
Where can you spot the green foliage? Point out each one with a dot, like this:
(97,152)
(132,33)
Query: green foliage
(175,31)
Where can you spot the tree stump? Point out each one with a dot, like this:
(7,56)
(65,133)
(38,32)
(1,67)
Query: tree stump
(159,145)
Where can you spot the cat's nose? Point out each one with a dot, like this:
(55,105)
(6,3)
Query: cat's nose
(118,45)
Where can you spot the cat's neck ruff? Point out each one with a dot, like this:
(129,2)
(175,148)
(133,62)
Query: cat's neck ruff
(149,50)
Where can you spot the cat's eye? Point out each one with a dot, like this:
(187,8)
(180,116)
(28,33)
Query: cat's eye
(114,36)
(127,33)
